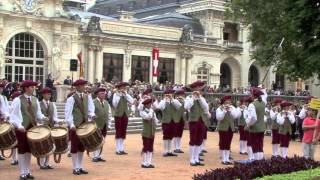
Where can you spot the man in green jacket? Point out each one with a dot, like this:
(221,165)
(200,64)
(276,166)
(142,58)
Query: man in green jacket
(103,117)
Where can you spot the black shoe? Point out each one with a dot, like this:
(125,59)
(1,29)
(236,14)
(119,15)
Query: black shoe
(2,158)
(165,155)
(224,163)
(43,167)
(178,151)
(199,164)
(82,171)
(151,166)
(201,154)
(76,172)
(23,177)
(123,153)
(241,153)
(118,153)
(49,167)
(95,160)
(101,160)
(204,151)
(29,176)
(13,163)
(229,163)
(69,155)
(144,166)
(193,164)
(171,154)
(201,159)
(230,158)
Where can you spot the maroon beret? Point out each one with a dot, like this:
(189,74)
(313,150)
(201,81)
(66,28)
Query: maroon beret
(256,92)
(168,91)
(180,92)
(46,91)
(80,82)
(147,101)
(15,94)
(248,99)
(99,90)
(122,84)
(224,98)
(285,103)
(28,83)
(277,100)
(196,84)
(147,91)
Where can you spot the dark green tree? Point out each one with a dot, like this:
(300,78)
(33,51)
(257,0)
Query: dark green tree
(297,21)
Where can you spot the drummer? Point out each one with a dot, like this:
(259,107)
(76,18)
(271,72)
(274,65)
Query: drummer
(26,113)
(103,119)
(14,160)
(49,109)
(79,108)
(4,108)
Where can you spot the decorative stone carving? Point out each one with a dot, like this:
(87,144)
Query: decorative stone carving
(94,25)
(186,36)
(56,59)
(34,7)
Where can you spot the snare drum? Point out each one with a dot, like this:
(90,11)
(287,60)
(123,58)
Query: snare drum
(60,139)
(40,141)
(7,136)
(90,136)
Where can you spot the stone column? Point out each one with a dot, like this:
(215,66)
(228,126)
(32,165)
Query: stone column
(182,70)
(90,67)
(126,73)
(99,64)
(188,71)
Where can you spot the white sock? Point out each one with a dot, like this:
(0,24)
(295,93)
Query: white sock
(21,159)
(149,157)
(169,146)
(260,155)
(203,145)
(69,146)
(223,155)
(275,149)
(80,157)
(117,145)
(197,152)
(14,154)
(74,160)
(179,142)
(245,146)
(256,156)
(241,146)
(27,162)
(250,153)
(122,144)
(227,155)
(144,159)
(284,152)
(192,154)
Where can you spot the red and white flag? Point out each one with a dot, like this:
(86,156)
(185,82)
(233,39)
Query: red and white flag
(155,62)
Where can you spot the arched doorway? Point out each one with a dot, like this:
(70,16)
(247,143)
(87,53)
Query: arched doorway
(24,59)
(225,75)
(253,77)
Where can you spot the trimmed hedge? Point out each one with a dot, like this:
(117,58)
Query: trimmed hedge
(301,175)
(259,169)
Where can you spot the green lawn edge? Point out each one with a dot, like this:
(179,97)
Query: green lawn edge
(298,175)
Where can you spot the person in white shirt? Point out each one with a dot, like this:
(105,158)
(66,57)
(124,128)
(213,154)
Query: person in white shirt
(79,109)
(256,123)
(150,122)
(226,114)
(241,126)
(276,109)
(14,160)
(285,119)
(103,118)
(121,103)
(4,112)
(168,106)
(26,113)
(247,101)
(198,111)
(49,109)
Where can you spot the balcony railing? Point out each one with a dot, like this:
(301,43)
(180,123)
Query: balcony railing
(204,39)
(232,44)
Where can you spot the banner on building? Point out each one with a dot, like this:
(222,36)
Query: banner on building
(155,62)
(79,56)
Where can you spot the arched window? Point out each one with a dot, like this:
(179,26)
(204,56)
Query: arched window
(24,59)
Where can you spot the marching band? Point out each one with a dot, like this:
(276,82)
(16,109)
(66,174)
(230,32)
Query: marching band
(87,121)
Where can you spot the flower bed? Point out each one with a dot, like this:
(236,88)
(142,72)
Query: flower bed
(259,169)
(301,175)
